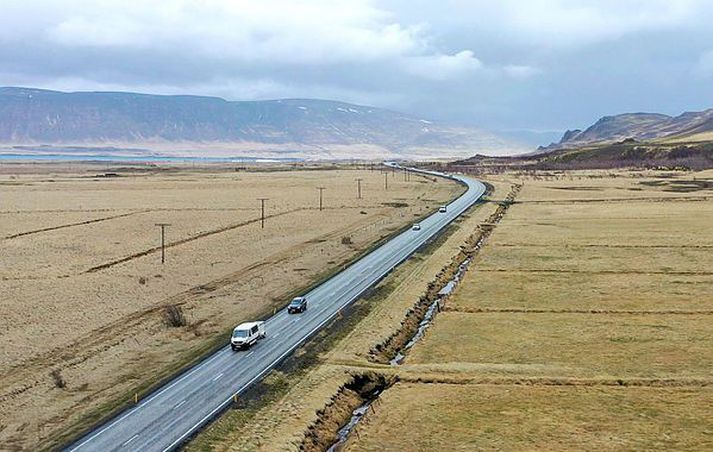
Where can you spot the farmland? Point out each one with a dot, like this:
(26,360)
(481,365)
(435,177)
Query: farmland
(583,322)
(83,314)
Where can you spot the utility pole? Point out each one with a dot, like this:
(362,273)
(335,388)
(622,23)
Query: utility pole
(386,180)
(163,240)
(321,189)
(359,187)
(262,212)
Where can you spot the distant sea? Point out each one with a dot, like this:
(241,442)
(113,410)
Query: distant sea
(140,159)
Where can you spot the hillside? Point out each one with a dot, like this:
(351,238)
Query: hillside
(210,126)
(689,126)
(625,154)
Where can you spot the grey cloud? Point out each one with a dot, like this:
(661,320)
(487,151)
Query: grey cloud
(538,64)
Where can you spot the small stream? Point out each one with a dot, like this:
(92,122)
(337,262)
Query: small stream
(445,291)
(359,412)
(357,415)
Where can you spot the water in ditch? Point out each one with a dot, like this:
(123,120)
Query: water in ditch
(445,291)
(357,415)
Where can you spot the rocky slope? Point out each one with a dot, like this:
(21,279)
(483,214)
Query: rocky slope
(641,127)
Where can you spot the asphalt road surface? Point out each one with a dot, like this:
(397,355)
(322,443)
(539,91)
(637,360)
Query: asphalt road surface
(164,420)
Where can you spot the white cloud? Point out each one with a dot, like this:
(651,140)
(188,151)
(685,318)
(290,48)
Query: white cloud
(249,32)
(465,59)
(303,32)
(442,67)
(520,71)
(572,23)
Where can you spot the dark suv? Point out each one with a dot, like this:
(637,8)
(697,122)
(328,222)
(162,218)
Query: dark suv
(297,305)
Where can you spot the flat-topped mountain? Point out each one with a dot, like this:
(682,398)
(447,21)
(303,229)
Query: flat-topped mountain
(211,126)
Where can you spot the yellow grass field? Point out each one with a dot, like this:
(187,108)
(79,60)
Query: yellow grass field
(572,345)
(422,417)
(84,289)
(281,424)
(584,323)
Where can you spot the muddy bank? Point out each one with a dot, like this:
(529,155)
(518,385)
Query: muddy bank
(418,318)
(339,417)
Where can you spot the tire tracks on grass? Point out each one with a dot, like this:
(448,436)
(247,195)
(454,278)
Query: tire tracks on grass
(70,225)
(113,334)
(188,240)
(466,310)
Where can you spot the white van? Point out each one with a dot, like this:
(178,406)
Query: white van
(246,334)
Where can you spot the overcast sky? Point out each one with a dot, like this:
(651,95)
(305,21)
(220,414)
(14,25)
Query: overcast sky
(505,64)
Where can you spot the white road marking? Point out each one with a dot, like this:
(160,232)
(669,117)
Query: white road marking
(276,334)
(130,439)
(250,353)
(220,375)
(179,404)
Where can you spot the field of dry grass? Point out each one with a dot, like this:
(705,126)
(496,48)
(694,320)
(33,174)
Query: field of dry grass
(496,417)
(571,345)
(584,323)
(84,289)
(281,423)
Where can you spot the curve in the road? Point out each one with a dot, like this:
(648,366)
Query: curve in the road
(170,415)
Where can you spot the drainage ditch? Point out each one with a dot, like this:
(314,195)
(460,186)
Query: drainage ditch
(417,320)
(341,416)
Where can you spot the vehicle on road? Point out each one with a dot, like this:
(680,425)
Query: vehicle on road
(443,209)
(156,425)
(297,305)
(246,335)
(416,227)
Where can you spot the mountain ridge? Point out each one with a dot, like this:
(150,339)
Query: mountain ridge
(640,127)
(213,125)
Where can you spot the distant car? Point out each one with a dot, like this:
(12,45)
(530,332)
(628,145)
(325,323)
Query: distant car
(297,305)
(416,227)
(443,209)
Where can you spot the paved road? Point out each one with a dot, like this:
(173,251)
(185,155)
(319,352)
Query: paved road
(166,418)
